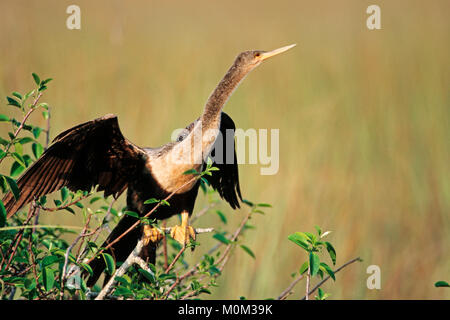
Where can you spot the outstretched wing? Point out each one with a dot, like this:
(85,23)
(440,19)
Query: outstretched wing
(90,154)
(226,179)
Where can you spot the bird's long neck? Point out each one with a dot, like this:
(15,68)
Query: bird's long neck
(221,94)
(198,144)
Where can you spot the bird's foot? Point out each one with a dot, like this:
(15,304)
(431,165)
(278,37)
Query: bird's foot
(151,234)
(183,234)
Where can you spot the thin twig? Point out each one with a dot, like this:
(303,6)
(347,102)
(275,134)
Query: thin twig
(66,255)
(47,132)
(33,264)
(19,235)
(308,279)
(25,118)
(175,259)
(288,290)
(336,271)
(203,211)
(66,205)
(166,260)
(234,237)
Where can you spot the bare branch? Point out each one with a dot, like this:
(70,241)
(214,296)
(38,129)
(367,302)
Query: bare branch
(132,259)
(336,271)
(288,290)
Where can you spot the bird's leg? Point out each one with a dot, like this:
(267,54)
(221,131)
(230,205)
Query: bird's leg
(151,234)
(183,233)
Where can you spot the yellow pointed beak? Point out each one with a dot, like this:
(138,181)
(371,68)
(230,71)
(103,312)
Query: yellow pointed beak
(272,53)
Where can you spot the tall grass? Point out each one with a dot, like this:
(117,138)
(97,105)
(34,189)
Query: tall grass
(363,118)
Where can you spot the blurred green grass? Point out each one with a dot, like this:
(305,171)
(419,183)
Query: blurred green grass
(363,118)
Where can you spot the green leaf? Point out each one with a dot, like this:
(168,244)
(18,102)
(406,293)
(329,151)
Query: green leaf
(25,140)
(331,252)
(304,267)
(165,203)
(18,148)
(36,78)
(191,171)
(152,200)
(328,270)
(2,214)
(43,200)
(37,150)
(48,278)
(311,237)
(223,218)
(70,210)
(3,141)
(122,291)
(49,260)
(13,186)
(13,102)
(16,156)
(16,169)
(27,95)
(110,265)
(319,231)
(36,132)
(247,249)
(64,194)
(221,238)
(314,263)
(94,199)
(214,270)
(320,293)
(17,95)
(299,239)
(132,214)
(47,80)
(167,276)
(122,280)
(87,268)
(440,284)
(150,277)
(3,118)
(266,205)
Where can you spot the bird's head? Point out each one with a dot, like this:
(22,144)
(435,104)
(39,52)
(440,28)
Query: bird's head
(248,60)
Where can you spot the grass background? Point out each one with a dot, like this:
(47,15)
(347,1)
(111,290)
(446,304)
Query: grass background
(363,118)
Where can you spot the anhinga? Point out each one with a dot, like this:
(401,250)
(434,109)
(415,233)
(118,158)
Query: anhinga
(96,153)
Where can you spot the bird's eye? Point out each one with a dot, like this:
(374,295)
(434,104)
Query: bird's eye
(257,54)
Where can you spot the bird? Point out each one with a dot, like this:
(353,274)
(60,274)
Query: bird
(95,154)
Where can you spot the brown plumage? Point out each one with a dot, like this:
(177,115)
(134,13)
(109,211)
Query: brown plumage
(90,154)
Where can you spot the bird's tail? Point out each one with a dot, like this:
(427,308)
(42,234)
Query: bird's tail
(119,251)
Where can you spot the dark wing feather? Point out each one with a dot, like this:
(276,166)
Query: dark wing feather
(226,179)
(90,154)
